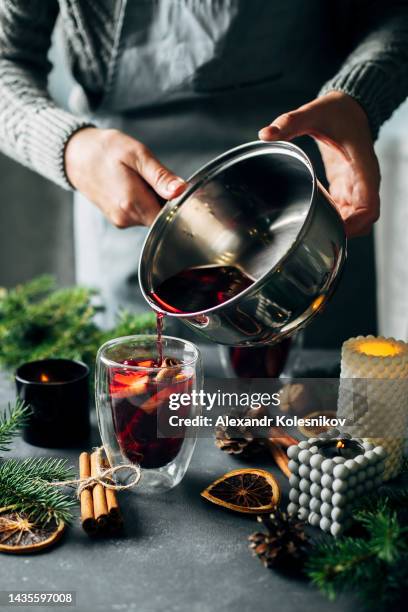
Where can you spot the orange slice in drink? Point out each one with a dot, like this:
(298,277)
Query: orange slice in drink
(135,385)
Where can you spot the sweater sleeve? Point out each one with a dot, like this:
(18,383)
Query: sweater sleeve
(376,71)
(33,130)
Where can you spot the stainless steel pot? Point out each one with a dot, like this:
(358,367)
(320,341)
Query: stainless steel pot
(261,208)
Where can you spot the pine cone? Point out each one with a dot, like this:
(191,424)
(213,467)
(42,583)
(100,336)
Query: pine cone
(296,398)
(234,441)
(284,544)
(239,440)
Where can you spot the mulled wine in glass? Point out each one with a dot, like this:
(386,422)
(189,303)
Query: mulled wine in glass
(134,385)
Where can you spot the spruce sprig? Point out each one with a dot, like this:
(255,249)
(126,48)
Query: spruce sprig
(11,420)
(47,469)
(370,566)
(38,321)
(387,537)
(25,487)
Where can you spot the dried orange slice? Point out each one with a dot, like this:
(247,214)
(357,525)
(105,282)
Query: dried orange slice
(315,431)
(18,535)
(251,491)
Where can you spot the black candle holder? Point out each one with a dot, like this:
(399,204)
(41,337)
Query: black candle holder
(57,391)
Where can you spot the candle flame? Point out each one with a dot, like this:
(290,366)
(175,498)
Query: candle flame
(379,348)
(340,444)
(44,378)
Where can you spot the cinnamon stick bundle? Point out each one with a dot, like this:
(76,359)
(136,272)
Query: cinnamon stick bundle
(99,506)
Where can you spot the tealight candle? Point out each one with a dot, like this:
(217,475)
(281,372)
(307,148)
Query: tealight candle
(57,391)
(341,448)
(375,401)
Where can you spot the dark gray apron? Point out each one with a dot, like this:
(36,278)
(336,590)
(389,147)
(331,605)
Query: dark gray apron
(192,79)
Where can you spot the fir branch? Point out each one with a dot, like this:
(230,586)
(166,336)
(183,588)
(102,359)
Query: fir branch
(333,563)
(25,486)
(38,321)
(48,469)
(365,565)
(387,536)
(11,421)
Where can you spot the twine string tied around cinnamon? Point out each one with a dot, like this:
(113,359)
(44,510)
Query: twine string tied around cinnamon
(104,477)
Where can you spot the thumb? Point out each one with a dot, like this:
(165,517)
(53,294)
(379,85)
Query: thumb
(290,125)
(161,179)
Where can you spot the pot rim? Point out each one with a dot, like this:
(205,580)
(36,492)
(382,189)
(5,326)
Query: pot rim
(201,176)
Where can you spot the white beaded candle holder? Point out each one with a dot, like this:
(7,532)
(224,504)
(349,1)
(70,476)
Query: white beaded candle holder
(376,405)
(329,475)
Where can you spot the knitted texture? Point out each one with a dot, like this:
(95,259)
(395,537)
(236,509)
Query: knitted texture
(375,73)
(35,132)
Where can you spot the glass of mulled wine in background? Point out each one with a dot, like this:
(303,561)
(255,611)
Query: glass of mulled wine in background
(135,377)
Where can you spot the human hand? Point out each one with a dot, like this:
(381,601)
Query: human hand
(119,175)
(340,127)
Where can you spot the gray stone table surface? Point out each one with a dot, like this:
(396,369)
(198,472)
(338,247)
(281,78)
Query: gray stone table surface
(178,553)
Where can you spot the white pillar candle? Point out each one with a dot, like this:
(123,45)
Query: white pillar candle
(376,403)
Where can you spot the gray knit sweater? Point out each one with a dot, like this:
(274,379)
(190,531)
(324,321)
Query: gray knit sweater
(370,37)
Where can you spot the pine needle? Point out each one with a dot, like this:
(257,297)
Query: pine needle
(387,536)
(369,566)
(38,321)
(48,469)
(24,485)
(11,420)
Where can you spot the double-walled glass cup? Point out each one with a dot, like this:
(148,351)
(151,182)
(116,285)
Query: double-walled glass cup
(135,400)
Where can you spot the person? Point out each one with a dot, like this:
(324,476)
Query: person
(161,87)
